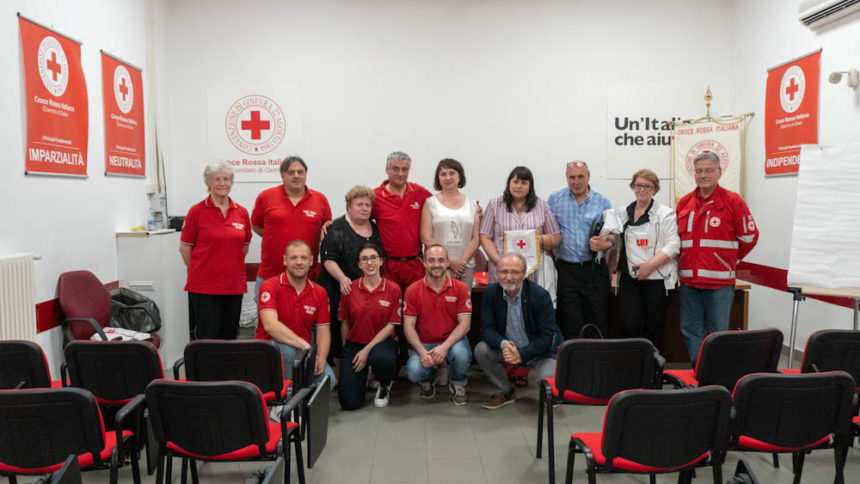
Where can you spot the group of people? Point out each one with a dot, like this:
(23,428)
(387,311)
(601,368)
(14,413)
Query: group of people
(389,282)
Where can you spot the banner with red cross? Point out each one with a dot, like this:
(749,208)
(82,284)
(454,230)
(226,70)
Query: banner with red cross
(122,96)
(723,137)
(254,127)
(790,113)
(56,101)
(527,243)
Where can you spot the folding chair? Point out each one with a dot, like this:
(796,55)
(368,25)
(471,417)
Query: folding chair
(794,413)
(658,431)
(253,361)
(219,421)
(84,299)
(726,356)
(41,427)
(23,365)
(590,372)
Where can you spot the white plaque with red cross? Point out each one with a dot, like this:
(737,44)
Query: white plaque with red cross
(527,243)
(254,127)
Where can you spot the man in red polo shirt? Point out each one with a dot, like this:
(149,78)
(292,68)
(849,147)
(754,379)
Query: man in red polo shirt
(290,305)
(436,318)
(288,212)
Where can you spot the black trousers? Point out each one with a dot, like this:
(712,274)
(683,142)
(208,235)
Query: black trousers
(351,385)
(642,305)
(583,294)
(214,316)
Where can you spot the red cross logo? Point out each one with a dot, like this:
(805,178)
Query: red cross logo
(521,244)
(123,88)
(792,88)
(55,67)
(255,125)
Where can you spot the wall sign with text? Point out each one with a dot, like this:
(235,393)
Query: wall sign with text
(125,141)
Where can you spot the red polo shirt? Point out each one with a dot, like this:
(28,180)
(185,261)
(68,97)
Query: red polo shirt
(284,222)
(217,248)
(399,219)
(369,311)
(296,311)
(436,313)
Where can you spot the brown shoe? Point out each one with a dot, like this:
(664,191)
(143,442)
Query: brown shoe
(499,400)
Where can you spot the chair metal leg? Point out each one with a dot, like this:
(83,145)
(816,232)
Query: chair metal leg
(775,460)
(287,465)
(168,477)
(114,466)
(718,472)
(798,465)
(839,455)
(541,403)
(159,468)
(184,478)
(13,479)
(652,478)
(135,466)
(300,465)
(550,440)
(571,457)
(192,463)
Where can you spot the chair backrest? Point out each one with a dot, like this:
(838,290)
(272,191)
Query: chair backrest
(41,427)
(113,371)
(207,419)
(793,410)
(23,362)
(254,361)
(317,419)
(601,368)
(82,295)
(667,428)
(726,356)
(831,350)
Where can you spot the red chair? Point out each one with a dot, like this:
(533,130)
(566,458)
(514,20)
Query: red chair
(86,305)
(42,427)
(658,431)
(218,421)
(726,356)
(794,413)
(590,372)
(23,365)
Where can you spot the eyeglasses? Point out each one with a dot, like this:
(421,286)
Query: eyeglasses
(643,187)
(369,258)
(510,273)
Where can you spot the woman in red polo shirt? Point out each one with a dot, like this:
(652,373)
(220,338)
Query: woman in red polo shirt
(213,245)
(368,314)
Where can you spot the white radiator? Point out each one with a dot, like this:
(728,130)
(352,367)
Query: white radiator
(17,299)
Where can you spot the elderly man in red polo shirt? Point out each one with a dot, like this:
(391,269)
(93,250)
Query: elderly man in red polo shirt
(290,305)
(436,317)
(288,212)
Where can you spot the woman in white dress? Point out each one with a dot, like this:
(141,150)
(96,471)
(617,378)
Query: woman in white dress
(452,219)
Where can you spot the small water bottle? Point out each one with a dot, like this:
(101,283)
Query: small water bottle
(150,220)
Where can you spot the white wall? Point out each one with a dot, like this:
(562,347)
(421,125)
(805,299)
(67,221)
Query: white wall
(767,33)
(491,83)
(70,222)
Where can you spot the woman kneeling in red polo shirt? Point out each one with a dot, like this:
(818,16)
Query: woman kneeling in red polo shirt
(213,245)
(368,314)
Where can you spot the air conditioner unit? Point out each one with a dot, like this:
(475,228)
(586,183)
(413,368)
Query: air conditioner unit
(815,13)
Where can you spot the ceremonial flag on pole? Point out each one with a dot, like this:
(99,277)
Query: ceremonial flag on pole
(723,137)
(56,100)
(122,96)
(790,113)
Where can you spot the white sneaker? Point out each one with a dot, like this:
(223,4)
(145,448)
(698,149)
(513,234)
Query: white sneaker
(383,395)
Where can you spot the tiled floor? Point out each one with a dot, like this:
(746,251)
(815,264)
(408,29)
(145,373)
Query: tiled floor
(416,441)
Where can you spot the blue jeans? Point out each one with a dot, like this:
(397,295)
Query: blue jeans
(459,358)
(288,357)
(259,281)
(704,311)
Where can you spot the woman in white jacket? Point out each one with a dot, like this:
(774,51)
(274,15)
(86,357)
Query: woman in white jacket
(645,234)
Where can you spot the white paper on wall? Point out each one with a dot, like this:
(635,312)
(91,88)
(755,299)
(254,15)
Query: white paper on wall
(825,240)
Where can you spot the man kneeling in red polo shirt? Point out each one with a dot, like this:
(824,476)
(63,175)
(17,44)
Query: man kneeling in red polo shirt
(290,305)
(436,317)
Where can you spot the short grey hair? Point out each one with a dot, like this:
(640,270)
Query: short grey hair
(519,256)
(708,155)
(397,155)
(217,166)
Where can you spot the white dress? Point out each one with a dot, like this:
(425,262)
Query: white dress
(452,228)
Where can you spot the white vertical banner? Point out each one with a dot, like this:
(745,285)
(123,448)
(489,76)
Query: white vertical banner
(723,137)
(254,127)
(639,129)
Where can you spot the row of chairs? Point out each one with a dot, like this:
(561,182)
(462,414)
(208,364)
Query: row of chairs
(593,372)
(220,415)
